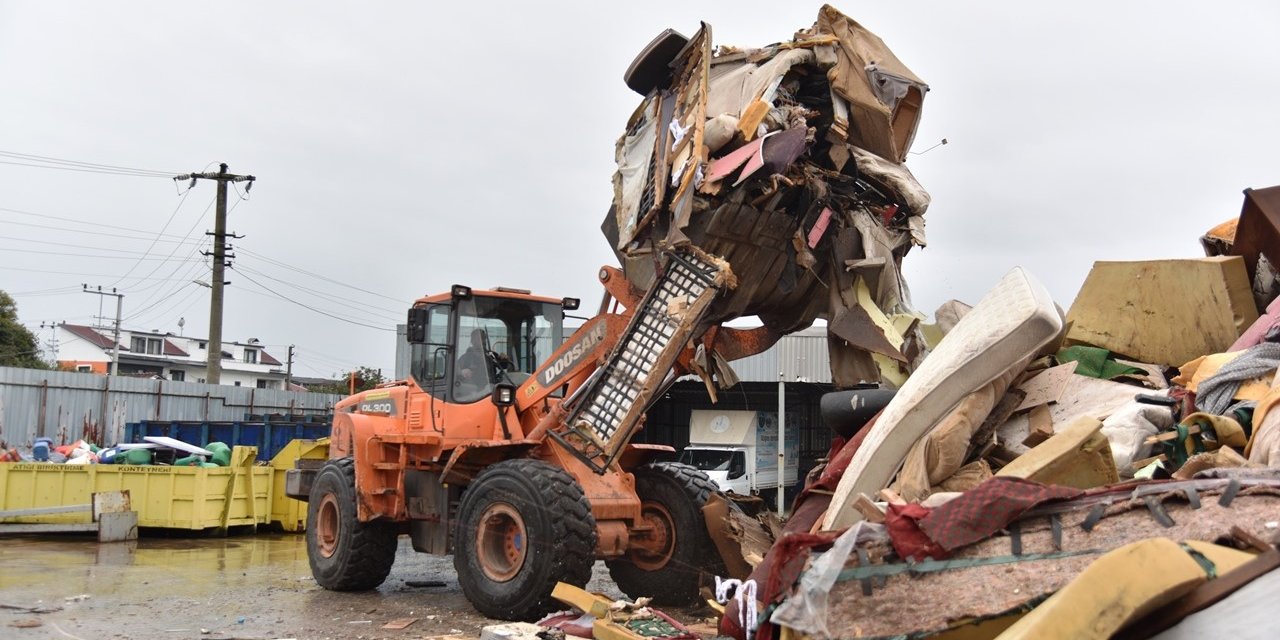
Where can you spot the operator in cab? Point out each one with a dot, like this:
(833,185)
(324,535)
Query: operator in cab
(473,368)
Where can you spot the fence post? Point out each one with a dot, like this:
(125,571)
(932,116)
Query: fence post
(44,406)
(106,394)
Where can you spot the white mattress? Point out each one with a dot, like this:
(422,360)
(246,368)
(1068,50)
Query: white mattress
(1011,322)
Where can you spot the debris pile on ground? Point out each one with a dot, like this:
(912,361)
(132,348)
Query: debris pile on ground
(1110,471)
(1087,466)
(157,450)
(787,161)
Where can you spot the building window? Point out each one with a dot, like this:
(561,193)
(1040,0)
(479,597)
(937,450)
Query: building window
(204,345)
(264,384)
(84,368)
(251,356)
(141,344)
(177,376)
(237,383)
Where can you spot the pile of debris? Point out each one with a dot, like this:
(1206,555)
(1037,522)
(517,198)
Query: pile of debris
(786,161)
(1111,469)
(157,450)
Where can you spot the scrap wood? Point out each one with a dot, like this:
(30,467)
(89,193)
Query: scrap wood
(869,510)
(1117,301)
(31,609)
(399,623)
(620,620)
(1041,422)
(716,514)
(1046,386)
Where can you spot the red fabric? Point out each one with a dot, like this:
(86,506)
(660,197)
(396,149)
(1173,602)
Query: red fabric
(785,560)
(987,508)
(909,542)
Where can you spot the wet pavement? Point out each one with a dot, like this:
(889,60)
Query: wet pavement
(245,587)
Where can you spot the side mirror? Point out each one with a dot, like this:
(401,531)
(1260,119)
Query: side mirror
(416,327)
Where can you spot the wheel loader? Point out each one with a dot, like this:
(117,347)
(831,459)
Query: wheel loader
(509,446)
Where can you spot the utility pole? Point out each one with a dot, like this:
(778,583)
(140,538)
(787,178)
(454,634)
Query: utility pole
(115,341)
(53,338)
(219,253)
(288,370)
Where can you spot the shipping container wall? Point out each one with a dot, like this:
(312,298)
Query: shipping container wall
(66,405)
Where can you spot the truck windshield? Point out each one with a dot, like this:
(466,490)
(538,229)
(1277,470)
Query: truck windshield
(709,459)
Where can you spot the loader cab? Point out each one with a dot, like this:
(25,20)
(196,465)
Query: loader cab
(464,343)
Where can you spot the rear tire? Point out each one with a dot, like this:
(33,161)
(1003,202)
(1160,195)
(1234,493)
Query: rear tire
(670,565)
(523,526)
(345,554)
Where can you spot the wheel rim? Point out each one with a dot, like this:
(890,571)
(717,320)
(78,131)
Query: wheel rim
(327,525)
(501,542)
(654,550)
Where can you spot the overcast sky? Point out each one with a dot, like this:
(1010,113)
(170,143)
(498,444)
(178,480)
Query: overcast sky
(400,148)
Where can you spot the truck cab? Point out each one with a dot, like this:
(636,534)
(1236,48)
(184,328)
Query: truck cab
(738,450)
(726,466)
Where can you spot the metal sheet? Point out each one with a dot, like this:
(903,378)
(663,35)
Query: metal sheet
(67,405)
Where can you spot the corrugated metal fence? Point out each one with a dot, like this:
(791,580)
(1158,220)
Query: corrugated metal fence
(65,405)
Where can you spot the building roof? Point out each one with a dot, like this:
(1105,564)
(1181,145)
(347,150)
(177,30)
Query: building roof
(171,349)
(88,334)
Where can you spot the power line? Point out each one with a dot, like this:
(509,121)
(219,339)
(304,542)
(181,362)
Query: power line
(90,223)
(71,245)
(131,174)
(170,298)
(157,238)
(191,253)
(49,160)
(71,273)
(321,294)
(78,255)
(306,306)
(83,231)
(316,275)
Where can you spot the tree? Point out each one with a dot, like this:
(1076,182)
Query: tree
(18,346)
(366,378)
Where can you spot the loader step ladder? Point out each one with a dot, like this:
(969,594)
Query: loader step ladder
(608,408)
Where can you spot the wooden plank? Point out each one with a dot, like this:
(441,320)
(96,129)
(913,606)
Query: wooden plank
(44,511)
(49,528)
(870,512)
(1047,386)
(1118,300)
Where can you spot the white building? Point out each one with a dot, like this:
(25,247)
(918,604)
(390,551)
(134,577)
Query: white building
(178,358)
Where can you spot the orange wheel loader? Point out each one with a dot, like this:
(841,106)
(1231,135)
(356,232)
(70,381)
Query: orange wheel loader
(509,446)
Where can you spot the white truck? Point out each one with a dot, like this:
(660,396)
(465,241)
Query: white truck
(739,450)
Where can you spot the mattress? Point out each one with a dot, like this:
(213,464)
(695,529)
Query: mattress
(1013,321)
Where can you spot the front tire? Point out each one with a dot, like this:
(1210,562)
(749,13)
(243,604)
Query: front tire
(345,554)
(523,526)
(670,563)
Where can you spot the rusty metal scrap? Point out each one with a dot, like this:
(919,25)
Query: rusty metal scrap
(787,162)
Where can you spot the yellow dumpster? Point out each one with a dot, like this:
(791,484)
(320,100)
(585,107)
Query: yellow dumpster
(167,497)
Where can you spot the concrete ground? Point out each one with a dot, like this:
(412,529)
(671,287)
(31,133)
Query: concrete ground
(242,587)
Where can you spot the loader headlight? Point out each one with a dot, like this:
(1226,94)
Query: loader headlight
(504,395)
(460,291)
